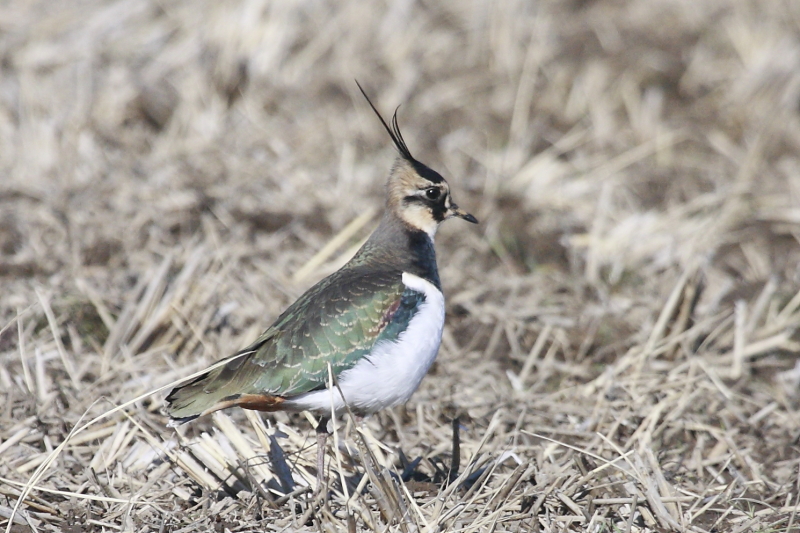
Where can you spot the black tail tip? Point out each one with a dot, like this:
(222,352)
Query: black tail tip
(175,422)
(172,394)
(169,410)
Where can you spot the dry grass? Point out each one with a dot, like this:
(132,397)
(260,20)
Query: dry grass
(622,335)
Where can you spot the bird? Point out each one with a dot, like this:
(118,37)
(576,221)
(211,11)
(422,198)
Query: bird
(375,324)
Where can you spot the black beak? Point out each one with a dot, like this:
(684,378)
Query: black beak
(460,213)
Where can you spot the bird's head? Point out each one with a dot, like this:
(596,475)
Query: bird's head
(417,194)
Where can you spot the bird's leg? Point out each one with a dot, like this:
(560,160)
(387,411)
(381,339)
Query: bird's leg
(322,438)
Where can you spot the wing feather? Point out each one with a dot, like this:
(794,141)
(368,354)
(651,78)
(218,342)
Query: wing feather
(337,321)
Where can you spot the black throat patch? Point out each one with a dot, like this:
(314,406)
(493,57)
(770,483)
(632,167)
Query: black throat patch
(423,257)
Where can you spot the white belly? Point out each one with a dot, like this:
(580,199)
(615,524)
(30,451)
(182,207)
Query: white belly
(393,370)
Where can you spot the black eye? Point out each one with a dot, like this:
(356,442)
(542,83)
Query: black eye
(433,193)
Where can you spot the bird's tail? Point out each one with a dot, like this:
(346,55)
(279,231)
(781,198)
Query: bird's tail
(217,389)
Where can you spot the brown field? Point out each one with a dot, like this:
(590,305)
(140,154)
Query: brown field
(623,326)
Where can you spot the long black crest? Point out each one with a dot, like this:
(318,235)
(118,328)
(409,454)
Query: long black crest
(394,131)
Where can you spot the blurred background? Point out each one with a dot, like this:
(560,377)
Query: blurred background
(174,174)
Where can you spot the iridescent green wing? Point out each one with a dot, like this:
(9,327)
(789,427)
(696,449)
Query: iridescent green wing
(337,321)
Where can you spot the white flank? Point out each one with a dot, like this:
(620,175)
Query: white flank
(392,371)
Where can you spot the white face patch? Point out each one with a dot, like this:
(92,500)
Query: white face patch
(419,216)
(404,183)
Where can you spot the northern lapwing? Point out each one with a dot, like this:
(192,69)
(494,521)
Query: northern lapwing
(377,322)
